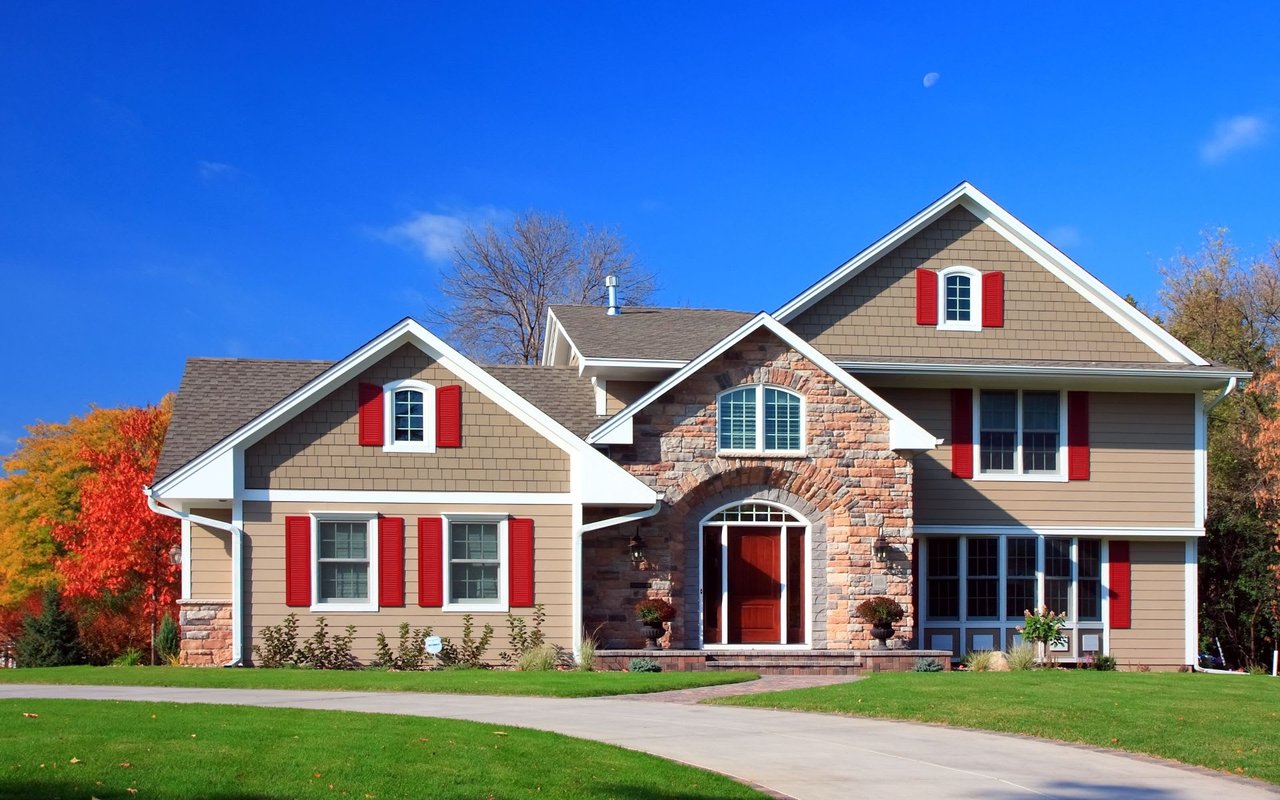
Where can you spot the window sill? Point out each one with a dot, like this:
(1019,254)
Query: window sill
(960,326)
(323,608)
(408,448)
(1013,478)
(475,608)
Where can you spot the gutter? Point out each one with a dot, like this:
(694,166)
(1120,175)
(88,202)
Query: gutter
(612,521)
(1231,387)
(237,567)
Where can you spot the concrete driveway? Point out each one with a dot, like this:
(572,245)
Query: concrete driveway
(805,756)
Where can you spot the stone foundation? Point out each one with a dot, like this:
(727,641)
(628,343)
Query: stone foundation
(797,662)
(206,632)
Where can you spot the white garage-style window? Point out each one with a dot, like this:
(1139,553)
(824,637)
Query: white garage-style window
(960,299)
(409,417)
(345,566)
(475,563)
(760,419)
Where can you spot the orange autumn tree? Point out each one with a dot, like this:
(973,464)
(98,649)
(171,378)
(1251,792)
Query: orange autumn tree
(116,549)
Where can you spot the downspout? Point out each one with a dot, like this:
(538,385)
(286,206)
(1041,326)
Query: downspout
(632,517)
(1231,387)
(577,559)
(237,566)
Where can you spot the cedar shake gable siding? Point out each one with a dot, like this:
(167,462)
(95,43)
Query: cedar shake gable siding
(319,448)
(873,313)
(848,484)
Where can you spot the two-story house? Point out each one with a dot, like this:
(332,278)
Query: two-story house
(960,417)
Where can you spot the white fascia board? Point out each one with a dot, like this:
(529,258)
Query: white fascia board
(375,497)
(1201,379)
(407,331)
(1026,240)
(904,433)
(605,483)
(622,434)
(633,363)
(1060,530)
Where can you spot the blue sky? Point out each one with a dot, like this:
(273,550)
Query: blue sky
(271,180)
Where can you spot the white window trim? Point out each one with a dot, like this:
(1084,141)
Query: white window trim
(370,518)
(760,428)
(428,443)
(504,562)
(1044,477)
(974,323)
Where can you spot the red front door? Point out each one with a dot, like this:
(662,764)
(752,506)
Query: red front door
(755,585)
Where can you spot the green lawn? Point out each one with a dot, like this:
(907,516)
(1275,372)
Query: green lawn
(475,681)
(81,749)
(1225,723)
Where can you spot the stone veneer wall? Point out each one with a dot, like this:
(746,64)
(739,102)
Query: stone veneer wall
(206,632)
(849,485)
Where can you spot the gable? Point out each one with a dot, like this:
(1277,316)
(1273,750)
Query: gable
(319,448)
(873,313)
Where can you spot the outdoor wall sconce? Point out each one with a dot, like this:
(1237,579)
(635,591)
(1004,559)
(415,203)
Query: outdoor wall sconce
(881,548)
(175,555)
(636,547)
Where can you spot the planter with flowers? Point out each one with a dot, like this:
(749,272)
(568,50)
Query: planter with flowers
(881,612)
(653,613)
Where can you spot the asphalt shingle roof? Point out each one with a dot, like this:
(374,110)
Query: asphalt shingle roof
(219,395)
(679,334)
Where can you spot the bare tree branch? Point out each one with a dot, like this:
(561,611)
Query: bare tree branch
(502,282)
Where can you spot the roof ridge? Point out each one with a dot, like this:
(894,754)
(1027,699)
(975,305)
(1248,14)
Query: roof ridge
(233,359)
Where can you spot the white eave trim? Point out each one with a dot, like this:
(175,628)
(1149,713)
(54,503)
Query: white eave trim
(597,474)
(1035,246)
(904,433)
(1213,378)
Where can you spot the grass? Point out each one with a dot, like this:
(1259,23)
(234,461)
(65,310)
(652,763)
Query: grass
(110,750)
(471,681)
(1231,724)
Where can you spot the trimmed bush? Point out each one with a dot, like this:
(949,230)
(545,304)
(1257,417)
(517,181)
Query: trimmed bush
(927,664)
(167,644)
(643,665)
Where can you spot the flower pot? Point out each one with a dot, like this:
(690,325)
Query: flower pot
(882,632)
(652,633)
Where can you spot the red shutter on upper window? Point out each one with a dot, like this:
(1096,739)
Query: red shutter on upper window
(520,558)
(1118,583)
(993,300)
(430,562)
(449,416)
(371,433)
(297,562)
(391,561)
(962,433)
(926,297)
(1077,436)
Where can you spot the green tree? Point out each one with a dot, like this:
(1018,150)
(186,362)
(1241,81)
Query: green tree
(51,638)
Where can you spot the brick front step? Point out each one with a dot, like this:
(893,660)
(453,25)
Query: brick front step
(764,662)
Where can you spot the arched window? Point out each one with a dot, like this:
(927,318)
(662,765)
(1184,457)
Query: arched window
(410,416)
(960,304)
(760,418)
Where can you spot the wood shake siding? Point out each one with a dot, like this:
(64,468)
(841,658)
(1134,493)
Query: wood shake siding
(264,541)
(1158,634)
(1142,463)
(210,557)
(319,448)
(873,314)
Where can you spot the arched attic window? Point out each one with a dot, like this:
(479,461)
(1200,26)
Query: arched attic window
(760,419)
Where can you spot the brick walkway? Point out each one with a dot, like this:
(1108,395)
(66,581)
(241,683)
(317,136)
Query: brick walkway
(767,683)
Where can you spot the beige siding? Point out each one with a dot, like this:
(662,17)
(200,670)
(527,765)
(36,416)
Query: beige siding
(873,314)
(1158,587)
(210,557)
(319,448)
(264,533)
(1142,468)
(620,394)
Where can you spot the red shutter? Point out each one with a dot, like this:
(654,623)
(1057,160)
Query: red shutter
(371,433)
(297,562)
(449,416)
(430,562)
(391,561)
(926,297)
(1118,584)
(520,556)
(961,433)
(993,300)
(1077,436)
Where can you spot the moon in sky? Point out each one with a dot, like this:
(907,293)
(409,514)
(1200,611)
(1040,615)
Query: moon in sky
(930,79)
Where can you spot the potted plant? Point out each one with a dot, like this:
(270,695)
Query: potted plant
(881,612)
(652,613)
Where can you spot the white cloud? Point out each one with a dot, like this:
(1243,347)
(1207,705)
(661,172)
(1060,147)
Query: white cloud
(1063,236)
(1233,135)
(931,78)
(213,170)
(436,235)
